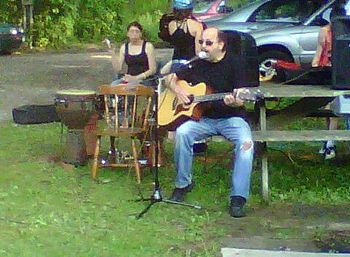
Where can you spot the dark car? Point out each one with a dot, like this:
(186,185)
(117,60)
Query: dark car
(210,9)
(11,37)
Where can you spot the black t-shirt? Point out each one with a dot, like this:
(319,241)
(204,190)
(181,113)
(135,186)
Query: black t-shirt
(221,77)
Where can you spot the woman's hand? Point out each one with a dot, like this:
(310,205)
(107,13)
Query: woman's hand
(108,43)
(130,78)
(110,46)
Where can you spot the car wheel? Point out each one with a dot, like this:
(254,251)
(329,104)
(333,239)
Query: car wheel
(267,71)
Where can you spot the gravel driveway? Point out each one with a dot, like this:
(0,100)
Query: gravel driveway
(35,78)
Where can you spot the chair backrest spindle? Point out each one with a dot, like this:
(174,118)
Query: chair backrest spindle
(128,102)
(108,120)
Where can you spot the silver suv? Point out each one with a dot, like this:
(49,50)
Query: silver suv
(283,29)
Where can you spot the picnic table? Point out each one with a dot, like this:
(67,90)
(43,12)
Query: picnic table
(270,125)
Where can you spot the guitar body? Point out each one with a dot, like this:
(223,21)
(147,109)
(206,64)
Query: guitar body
(172,114)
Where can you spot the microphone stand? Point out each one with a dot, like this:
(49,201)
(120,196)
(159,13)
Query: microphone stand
(156,196)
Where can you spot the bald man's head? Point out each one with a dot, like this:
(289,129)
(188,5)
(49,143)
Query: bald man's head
(214,43)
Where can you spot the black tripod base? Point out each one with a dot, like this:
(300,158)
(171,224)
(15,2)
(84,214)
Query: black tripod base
(156,197)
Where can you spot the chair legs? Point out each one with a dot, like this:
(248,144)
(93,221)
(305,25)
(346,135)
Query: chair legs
(135,156)
(95,161)
(136,161)
(112,141)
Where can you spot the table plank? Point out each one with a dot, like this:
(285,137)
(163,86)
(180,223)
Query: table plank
(297,110)
(300,135)
(271,90)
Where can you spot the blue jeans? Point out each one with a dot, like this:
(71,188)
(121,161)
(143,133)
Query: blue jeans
(236,130)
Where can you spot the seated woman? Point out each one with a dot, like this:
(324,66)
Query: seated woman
(139,57)
(137,54)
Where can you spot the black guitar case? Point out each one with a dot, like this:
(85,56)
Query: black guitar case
(35,114)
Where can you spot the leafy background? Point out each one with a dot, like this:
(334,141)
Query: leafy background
(59,23)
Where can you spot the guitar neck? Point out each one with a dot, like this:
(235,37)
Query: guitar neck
(208,98)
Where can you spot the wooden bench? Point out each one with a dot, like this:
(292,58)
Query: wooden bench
(300,135)
(291,136)
(310,100)
(268,136)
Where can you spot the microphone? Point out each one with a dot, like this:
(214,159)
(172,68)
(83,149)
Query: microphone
(201,55)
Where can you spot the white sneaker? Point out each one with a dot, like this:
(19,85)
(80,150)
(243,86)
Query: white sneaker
(329,153)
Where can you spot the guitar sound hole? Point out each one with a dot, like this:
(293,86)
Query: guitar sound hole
(174,103)
(191,97)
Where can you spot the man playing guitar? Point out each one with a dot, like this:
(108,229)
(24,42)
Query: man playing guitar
(225,117)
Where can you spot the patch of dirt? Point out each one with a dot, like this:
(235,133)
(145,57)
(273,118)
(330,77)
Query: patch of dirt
(338,241)
(310,228)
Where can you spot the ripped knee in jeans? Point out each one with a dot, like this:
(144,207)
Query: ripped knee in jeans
(247,145)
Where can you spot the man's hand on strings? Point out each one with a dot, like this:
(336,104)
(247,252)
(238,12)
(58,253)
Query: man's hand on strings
(233,99)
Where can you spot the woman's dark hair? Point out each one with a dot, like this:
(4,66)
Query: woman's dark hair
(181,14)
(135,24)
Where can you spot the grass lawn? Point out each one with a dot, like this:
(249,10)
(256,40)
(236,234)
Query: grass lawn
(47,209)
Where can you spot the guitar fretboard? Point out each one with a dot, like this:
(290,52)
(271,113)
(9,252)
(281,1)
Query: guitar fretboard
(248,95)
(211,97)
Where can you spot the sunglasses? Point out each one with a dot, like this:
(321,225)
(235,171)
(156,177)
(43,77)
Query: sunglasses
(207,42)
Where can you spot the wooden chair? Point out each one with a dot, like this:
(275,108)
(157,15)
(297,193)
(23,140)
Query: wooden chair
(127,117)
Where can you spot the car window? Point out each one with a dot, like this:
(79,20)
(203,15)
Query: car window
(201,6)
(286,10)
(224,7)
(323,17)
(221,6)
(326,14)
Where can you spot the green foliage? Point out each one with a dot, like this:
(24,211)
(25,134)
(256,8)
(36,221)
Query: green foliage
(58,23)
(97,20)
(10,11)
(147,13)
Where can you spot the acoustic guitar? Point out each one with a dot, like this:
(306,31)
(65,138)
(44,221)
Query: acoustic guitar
(172,113)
